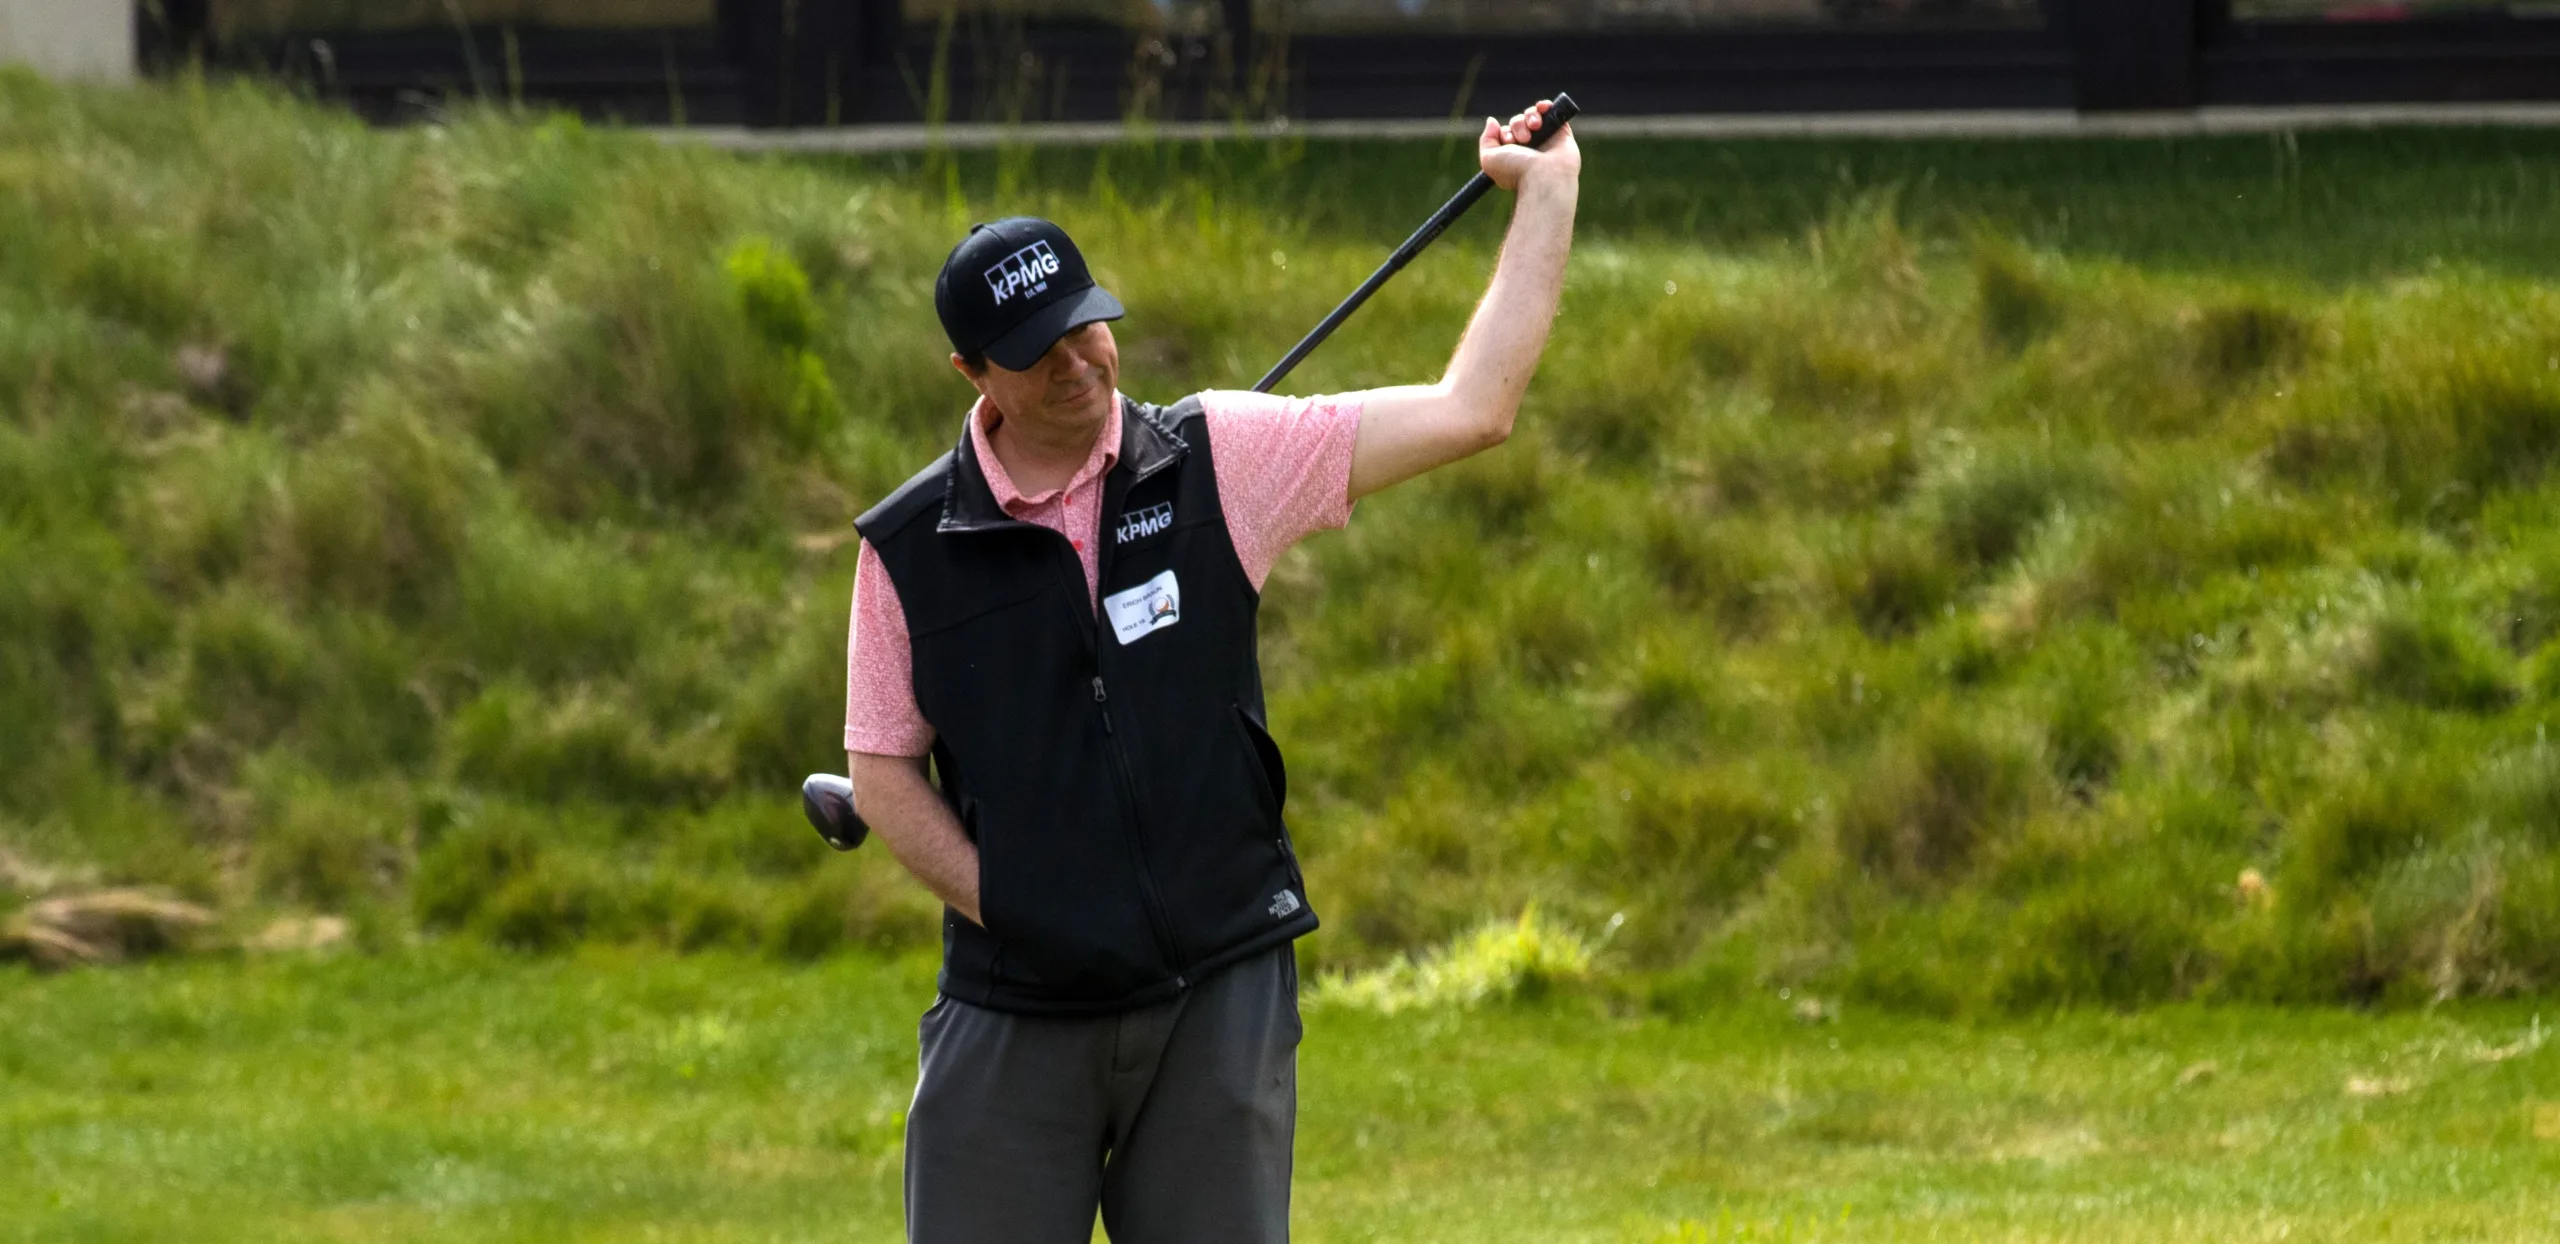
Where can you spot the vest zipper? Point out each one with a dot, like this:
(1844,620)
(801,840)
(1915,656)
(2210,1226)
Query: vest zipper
(1172,945)
(1115,498)
(1086,625)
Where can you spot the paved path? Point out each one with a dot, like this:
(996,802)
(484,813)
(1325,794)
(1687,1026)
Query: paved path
(2016,123)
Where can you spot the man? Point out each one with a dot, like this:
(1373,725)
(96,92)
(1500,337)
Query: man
(1060,614)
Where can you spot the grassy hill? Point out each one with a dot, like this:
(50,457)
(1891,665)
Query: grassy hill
(1961,575)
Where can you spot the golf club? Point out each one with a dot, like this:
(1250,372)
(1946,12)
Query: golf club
(828,799)
(1550,125)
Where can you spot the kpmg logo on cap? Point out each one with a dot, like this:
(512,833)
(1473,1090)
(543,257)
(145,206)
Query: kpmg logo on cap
(1023,273)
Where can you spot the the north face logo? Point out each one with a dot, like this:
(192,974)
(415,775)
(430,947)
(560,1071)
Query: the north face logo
(1284,904)
(1024,272)
(1140,524)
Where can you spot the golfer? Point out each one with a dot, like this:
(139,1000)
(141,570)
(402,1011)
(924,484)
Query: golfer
(1059,615)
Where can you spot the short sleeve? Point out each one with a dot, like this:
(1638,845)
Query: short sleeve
(1284,469)
(880,713)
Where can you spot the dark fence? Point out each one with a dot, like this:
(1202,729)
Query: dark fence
(825,62)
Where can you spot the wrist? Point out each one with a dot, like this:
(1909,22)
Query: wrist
(1549,179)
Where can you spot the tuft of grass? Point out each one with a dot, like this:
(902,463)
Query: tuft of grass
(2236,341)
(2019,305)
(1934,799)
(469,864)
(1891,578)
(2434,661)
(328,846)
(1500,962)
(2373,822)
(2118,938)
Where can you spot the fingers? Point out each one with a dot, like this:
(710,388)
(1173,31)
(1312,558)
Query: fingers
(1524,124)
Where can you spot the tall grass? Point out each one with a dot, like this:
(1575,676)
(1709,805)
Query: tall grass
(1892,598)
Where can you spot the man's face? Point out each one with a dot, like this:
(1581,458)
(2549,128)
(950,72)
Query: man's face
(1070,387)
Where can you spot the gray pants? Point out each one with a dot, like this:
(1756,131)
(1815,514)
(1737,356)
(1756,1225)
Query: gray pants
(1175,1119)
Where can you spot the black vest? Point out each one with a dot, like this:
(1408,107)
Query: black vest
(1113,770)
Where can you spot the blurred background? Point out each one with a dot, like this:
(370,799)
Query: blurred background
(827,62)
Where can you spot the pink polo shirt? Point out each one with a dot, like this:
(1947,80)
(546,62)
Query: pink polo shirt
(1283,469)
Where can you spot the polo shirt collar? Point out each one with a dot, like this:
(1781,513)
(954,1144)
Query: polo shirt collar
(980,495)
(983,421)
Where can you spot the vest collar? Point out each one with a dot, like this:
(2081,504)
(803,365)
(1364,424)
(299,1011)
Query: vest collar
(969,502)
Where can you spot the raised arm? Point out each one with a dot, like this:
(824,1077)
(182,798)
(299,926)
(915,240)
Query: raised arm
(1409,429)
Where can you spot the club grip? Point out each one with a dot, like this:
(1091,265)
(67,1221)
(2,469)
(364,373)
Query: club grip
(1562,113)
(1556,119)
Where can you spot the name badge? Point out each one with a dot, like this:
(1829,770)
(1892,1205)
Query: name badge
(1144,609)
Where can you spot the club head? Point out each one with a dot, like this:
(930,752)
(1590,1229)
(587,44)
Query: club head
(828,801)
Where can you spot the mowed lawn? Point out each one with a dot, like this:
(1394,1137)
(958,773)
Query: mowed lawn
(456,1094)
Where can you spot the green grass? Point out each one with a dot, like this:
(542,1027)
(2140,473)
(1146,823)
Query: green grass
(1928,574)
(2330,207)
(456,1095)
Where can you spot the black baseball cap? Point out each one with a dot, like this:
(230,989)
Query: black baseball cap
(1013,287)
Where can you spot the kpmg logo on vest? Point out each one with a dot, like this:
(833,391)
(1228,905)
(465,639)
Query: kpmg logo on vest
(1140,524)
(1025,272)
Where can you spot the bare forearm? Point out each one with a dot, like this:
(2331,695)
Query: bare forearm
(1490,371)
(1410,429)
(891,795)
